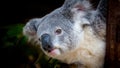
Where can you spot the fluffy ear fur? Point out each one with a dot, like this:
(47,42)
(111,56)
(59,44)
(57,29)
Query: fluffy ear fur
(30,28)
(102,7)
(79,7)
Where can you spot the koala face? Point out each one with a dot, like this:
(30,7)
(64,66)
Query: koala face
(57,34)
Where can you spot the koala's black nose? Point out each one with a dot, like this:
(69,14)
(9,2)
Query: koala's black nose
(46,42)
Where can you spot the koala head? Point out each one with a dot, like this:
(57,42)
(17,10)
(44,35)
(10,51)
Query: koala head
(62,30)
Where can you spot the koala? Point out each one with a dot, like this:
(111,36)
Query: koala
(73,33)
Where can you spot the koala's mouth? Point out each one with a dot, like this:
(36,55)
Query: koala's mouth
(54,51)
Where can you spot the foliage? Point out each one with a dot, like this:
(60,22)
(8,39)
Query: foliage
(13,35)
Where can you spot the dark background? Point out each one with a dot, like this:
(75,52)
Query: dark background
(19,11)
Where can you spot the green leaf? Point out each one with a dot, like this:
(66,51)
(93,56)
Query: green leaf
(14,30)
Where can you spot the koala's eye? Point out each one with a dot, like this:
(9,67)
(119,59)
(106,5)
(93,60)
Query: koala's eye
(58,31)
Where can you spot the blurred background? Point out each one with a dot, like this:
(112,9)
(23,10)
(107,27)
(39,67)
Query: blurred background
(16,52)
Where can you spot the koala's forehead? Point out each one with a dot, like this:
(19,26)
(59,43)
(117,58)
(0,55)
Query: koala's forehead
(50,22)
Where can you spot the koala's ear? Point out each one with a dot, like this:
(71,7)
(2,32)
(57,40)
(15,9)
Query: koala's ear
(30,28)
(81,8)
(77,6)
